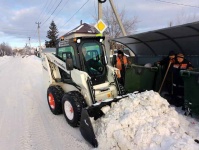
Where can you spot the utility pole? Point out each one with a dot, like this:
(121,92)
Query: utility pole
(99,11)
(29,41)
(118,18)
(100,8)
(38,23)
(114,11)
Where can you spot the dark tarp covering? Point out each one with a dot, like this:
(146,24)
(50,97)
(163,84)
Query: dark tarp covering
(183,38)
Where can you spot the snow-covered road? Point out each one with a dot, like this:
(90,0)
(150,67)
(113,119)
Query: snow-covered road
(26,122)
(143,121)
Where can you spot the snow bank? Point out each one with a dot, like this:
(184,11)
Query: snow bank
(5,59)
(34,57)
(31,57)
(145,121)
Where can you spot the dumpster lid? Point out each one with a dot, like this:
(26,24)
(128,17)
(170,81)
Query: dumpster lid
(182,38)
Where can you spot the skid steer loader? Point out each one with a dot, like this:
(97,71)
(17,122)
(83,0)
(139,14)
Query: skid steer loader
(80,82)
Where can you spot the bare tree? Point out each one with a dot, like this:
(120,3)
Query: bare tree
(5,49)
(113,29)
(183,18)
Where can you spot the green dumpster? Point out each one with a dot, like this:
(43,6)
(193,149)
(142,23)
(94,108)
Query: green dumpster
(138,78)
(191,90)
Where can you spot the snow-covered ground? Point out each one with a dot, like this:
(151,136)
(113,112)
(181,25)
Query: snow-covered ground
(144,121)
(26,122)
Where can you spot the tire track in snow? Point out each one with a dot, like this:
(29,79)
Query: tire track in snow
(55,128)
(26,122)
(10,121)
(35,136)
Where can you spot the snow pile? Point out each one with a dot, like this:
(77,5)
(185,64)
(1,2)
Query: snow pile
(5,59)
(145,121)
(32,59)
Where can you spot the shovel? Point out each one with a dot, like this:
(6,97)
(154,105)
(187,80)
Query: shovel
(164,77)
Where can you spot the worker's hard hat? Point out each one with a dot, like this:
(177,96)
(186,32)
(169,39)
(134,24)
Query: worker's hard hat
(171,53)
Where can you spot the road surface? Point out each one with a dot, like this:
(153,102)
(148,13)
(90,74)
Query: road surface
(26,122)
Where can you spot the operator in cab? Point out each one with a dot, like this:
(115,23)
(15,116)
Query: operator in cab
(93,64)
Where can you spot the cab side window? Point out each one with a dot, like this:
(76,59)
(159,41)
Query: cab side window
(62,52)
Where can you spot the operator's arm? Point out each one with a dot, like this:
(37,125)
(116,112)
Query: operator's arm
(96,65)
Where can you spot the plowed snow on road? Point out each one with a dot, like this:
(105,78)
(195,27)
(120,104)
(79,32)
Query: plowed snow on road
(26,122)
(144,121)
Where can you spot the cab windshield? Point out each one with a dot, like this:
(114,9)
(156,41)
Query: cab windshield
(93,56)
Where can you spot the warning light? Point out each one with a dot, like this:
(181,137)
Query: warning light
(62,38)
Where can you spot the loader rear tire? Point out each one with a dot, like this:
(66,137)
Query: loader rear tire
(72,104)
(122,89)
(54,97)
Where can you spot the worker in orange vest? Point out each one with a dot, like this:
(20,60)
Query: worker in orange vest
(178,83)
(121,63)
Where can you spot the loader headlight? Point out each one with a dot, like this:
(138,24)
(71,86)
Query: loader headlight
(101,40)
(78,40)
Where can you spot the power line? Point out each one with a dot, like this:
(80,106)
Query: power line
(61,9)
(58,12)
(48,6)
(52,12)
(41,14)
(45,5)
(49,11)
(95,8)
(75,13)
(180,4)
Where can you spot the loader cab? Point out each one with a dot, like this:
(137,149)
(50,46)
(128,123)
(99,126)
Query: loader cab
(87,55)
(93,59)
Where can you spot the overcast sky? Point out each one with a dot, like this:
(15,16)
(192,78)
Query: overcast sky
(18,17)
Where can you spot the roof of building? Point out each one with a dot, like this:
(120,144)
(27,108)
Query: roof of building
(182,38)
(84,29)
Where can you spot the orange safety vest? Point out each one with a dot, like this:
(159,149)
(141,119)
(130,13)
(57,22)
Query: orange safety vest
(119,63)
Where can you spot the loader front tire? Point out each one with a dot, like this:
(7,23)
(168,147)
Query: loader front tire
(54,97)
(72,104)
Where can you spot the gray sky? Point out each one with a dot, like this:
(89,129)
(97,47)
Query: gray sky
(18,17)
